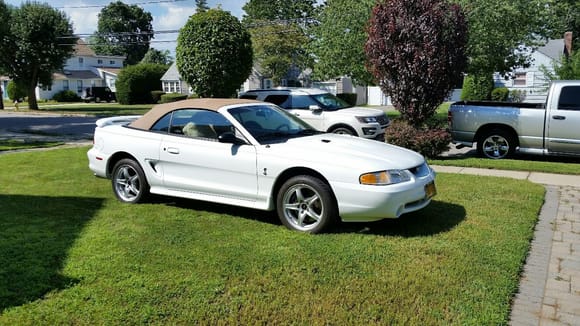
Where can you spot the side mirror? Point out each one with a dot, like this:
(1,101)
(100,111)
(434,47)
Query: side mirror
(230,138)
(315,108)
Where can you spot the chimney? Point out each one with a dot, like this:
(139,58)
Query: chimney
(568,44)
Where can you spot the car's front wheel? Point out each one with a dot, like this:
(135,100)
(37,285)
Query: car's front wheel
(306,203)
(343,131)
(129,182)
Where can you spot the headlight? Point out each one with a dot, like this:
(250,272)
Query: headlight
(382,178)
(367,119)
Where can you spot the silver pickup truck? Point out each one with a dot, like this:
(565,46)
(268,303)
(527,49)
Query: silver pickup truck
(501,129)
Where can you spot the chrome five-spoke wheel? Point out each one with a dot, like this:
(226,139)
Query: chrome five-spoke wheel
(306,204)
(129,184)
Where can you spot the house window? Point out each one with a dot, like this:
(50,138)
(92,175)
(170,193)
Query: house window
(65,85)
(79,86)
(112,62)
(166,87)
(520,79)
(46,87)
(100,61)
(81,61)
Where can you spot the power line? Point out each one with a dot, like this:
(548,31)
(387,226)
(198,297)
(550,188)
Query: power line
(151,2)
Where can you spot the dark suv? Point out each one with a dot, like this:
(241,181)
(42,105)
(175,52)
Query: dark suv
(97,94)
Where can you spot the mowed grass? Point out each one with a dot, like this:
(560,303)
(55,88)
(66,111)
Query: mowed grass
(72,254)
(16,144)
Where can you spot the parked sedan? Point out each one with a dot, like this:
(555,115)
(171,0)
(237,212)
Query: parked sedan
(254,154)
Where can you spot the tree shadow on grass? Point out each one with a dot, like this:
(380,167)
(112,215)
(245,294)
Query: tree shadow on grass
(36,233)
(436,218)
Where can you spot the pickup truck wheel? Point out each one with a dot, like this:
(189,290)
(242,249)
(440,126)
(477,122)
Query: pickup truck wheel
(496,144)
(129,183)
(306,203)
(343,131)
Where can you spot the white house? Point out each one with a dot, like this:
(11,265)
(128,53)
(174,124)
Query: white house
(84,69)
(531,81)
(171,82)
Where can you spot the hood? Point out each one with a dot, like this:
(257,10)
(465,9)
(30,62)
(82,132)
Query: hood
(361,112)
(348,151)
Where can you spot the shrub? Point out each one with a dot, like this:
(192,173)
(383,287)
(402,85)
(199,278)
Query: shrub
(429,142)
(500,94)
(477,88)
(135,83)
(517,95)
(172,97)
(15,91)
(66,96)
(156,96)
(350,98)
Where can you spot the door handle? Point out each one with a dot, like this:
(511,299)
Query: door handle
(559,117)
(172,150)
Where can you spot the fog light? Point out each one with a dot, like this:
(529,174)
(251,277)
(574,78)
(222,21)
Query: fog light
(369,131)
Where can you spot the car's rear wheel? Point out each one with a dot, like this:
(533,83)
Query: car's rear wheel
(496,144)
(306,203)
(129,182)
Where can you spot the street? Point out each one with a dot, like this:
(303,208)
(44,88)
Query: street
(13,124)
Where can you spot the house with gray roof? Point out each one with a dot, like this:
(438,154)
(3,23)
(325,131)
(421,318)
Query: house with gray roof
(84,69)
(171,82)
(531,81)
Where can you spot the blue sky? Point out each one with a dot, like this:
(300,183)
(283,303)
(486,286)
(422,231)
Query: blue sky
(167,15)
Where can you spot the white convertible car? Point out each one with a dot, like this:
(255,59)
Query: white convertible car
(254,154)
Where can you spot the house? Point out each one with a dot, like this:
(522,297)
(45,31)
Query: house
(171,82)
(3,86)
(532,81)
(84,69)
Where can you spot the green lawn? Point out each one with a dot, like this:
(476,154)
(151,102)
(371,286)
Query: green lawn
(72,254)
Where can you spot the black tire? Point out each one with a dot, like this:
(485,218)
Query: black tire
(496,144)
(97,99)
(129,182)
(306,204)
(343,131)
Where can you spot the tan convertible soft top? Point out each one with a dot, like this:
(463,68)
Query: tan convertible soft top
(148,119)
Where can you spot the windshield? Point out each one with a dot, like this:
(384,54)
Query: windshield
(330,102)
(269,123)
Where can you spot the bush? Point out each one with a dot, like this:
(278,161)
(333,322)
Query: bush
(350,98)
(66,96)
(135,83)
(15,91)
(500,94)
(517,95)
(428,142)
(172,97)
(156,96)
(477,88)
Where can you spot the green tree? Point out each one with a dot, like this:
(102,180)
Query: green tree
(214,53)
(201,6)
(339,40)
(497,28)
(158,57)
(563,16)
(123,30)
(567,68)
(416,51)
(4,32)
(279,35)
(34,46)
(135,83)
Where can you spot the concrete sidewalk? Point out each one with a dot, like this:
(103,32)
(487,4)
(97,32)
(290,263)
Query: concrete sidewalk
(549,291)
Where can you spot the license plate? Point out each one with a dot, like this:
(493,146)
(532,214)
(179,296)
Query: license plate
(430,189)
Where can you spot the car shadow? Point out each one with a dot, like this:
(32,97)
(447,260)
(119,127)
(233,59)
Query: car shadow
(464,153)
(36,233)
(436,218)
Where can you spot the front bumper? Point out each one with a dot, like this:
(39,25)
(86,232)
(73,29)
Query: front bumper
(363,203)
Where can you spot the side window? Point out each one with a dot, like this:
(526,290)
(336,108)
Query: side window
(302,102)
(196,123)
(282,100)
(162,125)
(569,98)
(249,96)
